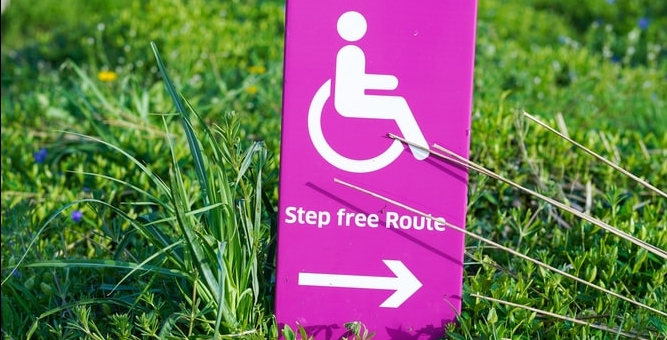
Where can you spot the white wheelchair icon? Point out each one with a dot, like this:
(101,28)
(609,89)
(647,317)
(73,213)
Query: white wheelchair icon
(333,157)
(350,100)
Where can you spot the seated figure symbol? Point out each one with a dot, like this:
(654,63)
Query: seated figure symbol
(352,81)
(351,101)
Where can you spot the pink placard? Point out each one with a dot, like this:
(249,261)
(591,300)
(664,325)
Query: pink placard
(354,72)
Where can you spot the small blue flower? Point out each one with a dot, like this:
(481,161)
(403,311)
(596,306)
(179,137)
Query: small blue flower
(643,23)
(40,156)
(16,273)
(76,216)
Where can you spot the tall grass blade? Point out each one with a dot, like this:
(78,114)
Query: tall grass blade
(499,246)
(456,159)
(199,249)
(108,264)
(57,213)
(157,181)
(600,158)
(223,309)
(189,132)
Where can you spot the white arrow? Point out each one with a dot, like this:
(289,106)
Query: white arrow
(404,283)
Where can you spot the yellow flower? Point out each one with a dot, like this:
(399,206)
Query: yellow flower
(257,69)
(252,89)
(107,76)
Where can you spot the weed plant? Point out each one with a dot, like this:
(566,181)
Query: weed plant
(136,205)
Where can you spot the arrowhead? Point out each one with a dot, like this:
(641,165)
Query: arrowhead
(406,284)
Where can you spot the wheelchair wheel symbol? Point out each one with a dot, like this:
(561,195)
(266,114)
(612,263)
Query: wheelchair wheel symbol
(329,154)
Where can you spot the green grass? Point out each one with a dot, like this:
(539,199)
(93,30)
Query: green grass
(144,206)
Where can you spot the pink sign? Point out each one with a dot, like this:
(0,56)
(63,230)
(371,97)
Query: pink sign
(354,72)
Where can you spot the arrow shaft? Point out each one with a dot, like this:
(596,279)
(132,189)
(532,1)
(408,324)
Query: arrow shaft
(348,281)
